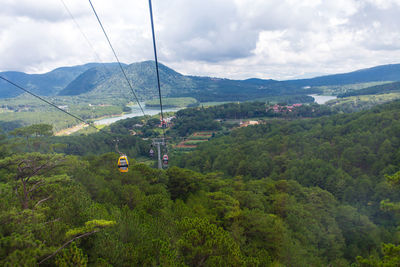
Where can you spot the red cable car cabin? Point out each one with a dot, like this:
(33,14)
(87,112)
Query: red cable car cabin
(165,159)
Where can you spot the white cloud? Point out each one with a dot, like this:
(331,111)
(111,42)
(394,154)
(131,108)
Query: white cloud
(224,38)
(384,4)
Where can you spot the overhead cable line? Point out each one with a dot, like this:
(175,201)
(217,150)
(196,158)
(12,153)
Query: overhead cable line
(55,106)
(85,36)
(156,60)
(116,57)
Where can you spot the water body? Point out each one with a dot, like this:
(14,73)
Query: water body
(135,112)
(322,99)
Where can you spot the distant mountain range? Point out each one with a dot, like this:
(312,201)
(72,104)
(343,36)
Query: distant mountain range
(173,84)
(376,74)
(50,83)
(106,80)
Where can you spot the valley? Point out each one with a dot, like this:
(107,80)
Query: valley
(308,167)
(94,91)
(270,178)
(200,133)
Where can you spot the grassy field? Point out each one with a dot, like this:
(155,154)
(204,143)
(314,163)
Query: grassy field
(57,119)
(340,89)
(210,104)
(184,149)
(86,130)
(200,137)
(355,103)
(23,111)
(173,102)
(192,141)
(195,142)
(203,133)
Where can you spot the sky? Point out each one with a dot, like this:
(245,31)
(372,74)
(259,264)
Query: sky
(236,39)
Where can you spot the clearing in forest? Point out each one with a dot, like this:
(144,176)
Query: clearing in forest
(194,140)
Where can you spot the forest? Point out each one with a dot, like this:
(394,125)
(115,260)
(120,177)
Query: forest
(307,188)
(192,119)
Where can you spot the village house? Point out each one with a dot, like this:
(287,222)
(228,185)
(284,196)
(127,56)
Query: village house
(247,123)
(278,108)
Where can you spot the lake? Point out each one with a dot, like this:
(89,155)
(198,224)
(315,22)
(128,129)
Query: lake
(322,99)
(135,112)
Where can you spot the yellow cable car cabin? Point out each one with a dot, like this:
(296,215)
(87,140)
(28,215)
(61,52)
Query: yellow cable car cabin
(123,163)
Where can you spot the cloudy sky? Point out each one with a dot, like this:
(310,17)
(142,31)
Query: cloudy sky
(278,39)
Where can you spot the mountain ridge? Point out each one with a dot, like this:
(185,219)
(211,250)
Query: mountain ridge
(389,72)
(45,84)
(92,79)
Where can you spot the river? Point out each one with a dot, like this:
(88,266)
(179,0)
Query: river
(322,99)
(135,112)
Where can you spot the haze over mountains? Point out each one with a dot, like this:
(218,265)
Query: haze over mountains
(106,79)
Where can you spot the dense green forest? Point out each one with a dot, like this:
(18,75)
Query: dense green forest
(307,188)
(190,120)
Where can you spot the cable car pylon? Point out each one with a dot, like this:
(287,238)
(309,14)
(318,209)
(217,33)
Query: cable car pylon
(158,142)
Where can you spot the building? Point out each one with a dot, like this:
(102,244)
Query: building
(248,123)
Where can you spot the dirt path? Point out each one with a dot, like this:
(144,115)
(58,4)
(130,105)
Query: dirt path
(71,130)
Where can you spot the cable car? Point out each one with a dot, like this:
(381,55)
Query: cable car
(165,159)
(123,163)
(163,124)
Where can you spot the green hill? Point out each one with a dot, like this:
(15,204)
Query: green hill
(89,79)
(143,78)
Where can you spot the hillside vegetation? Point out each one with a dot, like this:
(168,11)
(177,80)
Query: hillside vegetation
(27,110)
(298,192)
(173,102)
(374,90)
(361,101)
(97,80)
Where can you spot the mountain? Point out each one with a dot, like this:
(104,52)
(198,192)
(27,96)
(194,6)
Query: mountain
(46,84)
(143,79)
(175,84)
(89,79)
(7,90)
(105,80)
(376,74)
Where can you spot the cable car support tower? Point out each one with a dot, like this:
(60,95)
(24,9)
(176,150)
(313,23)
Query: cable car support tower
(158,143)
